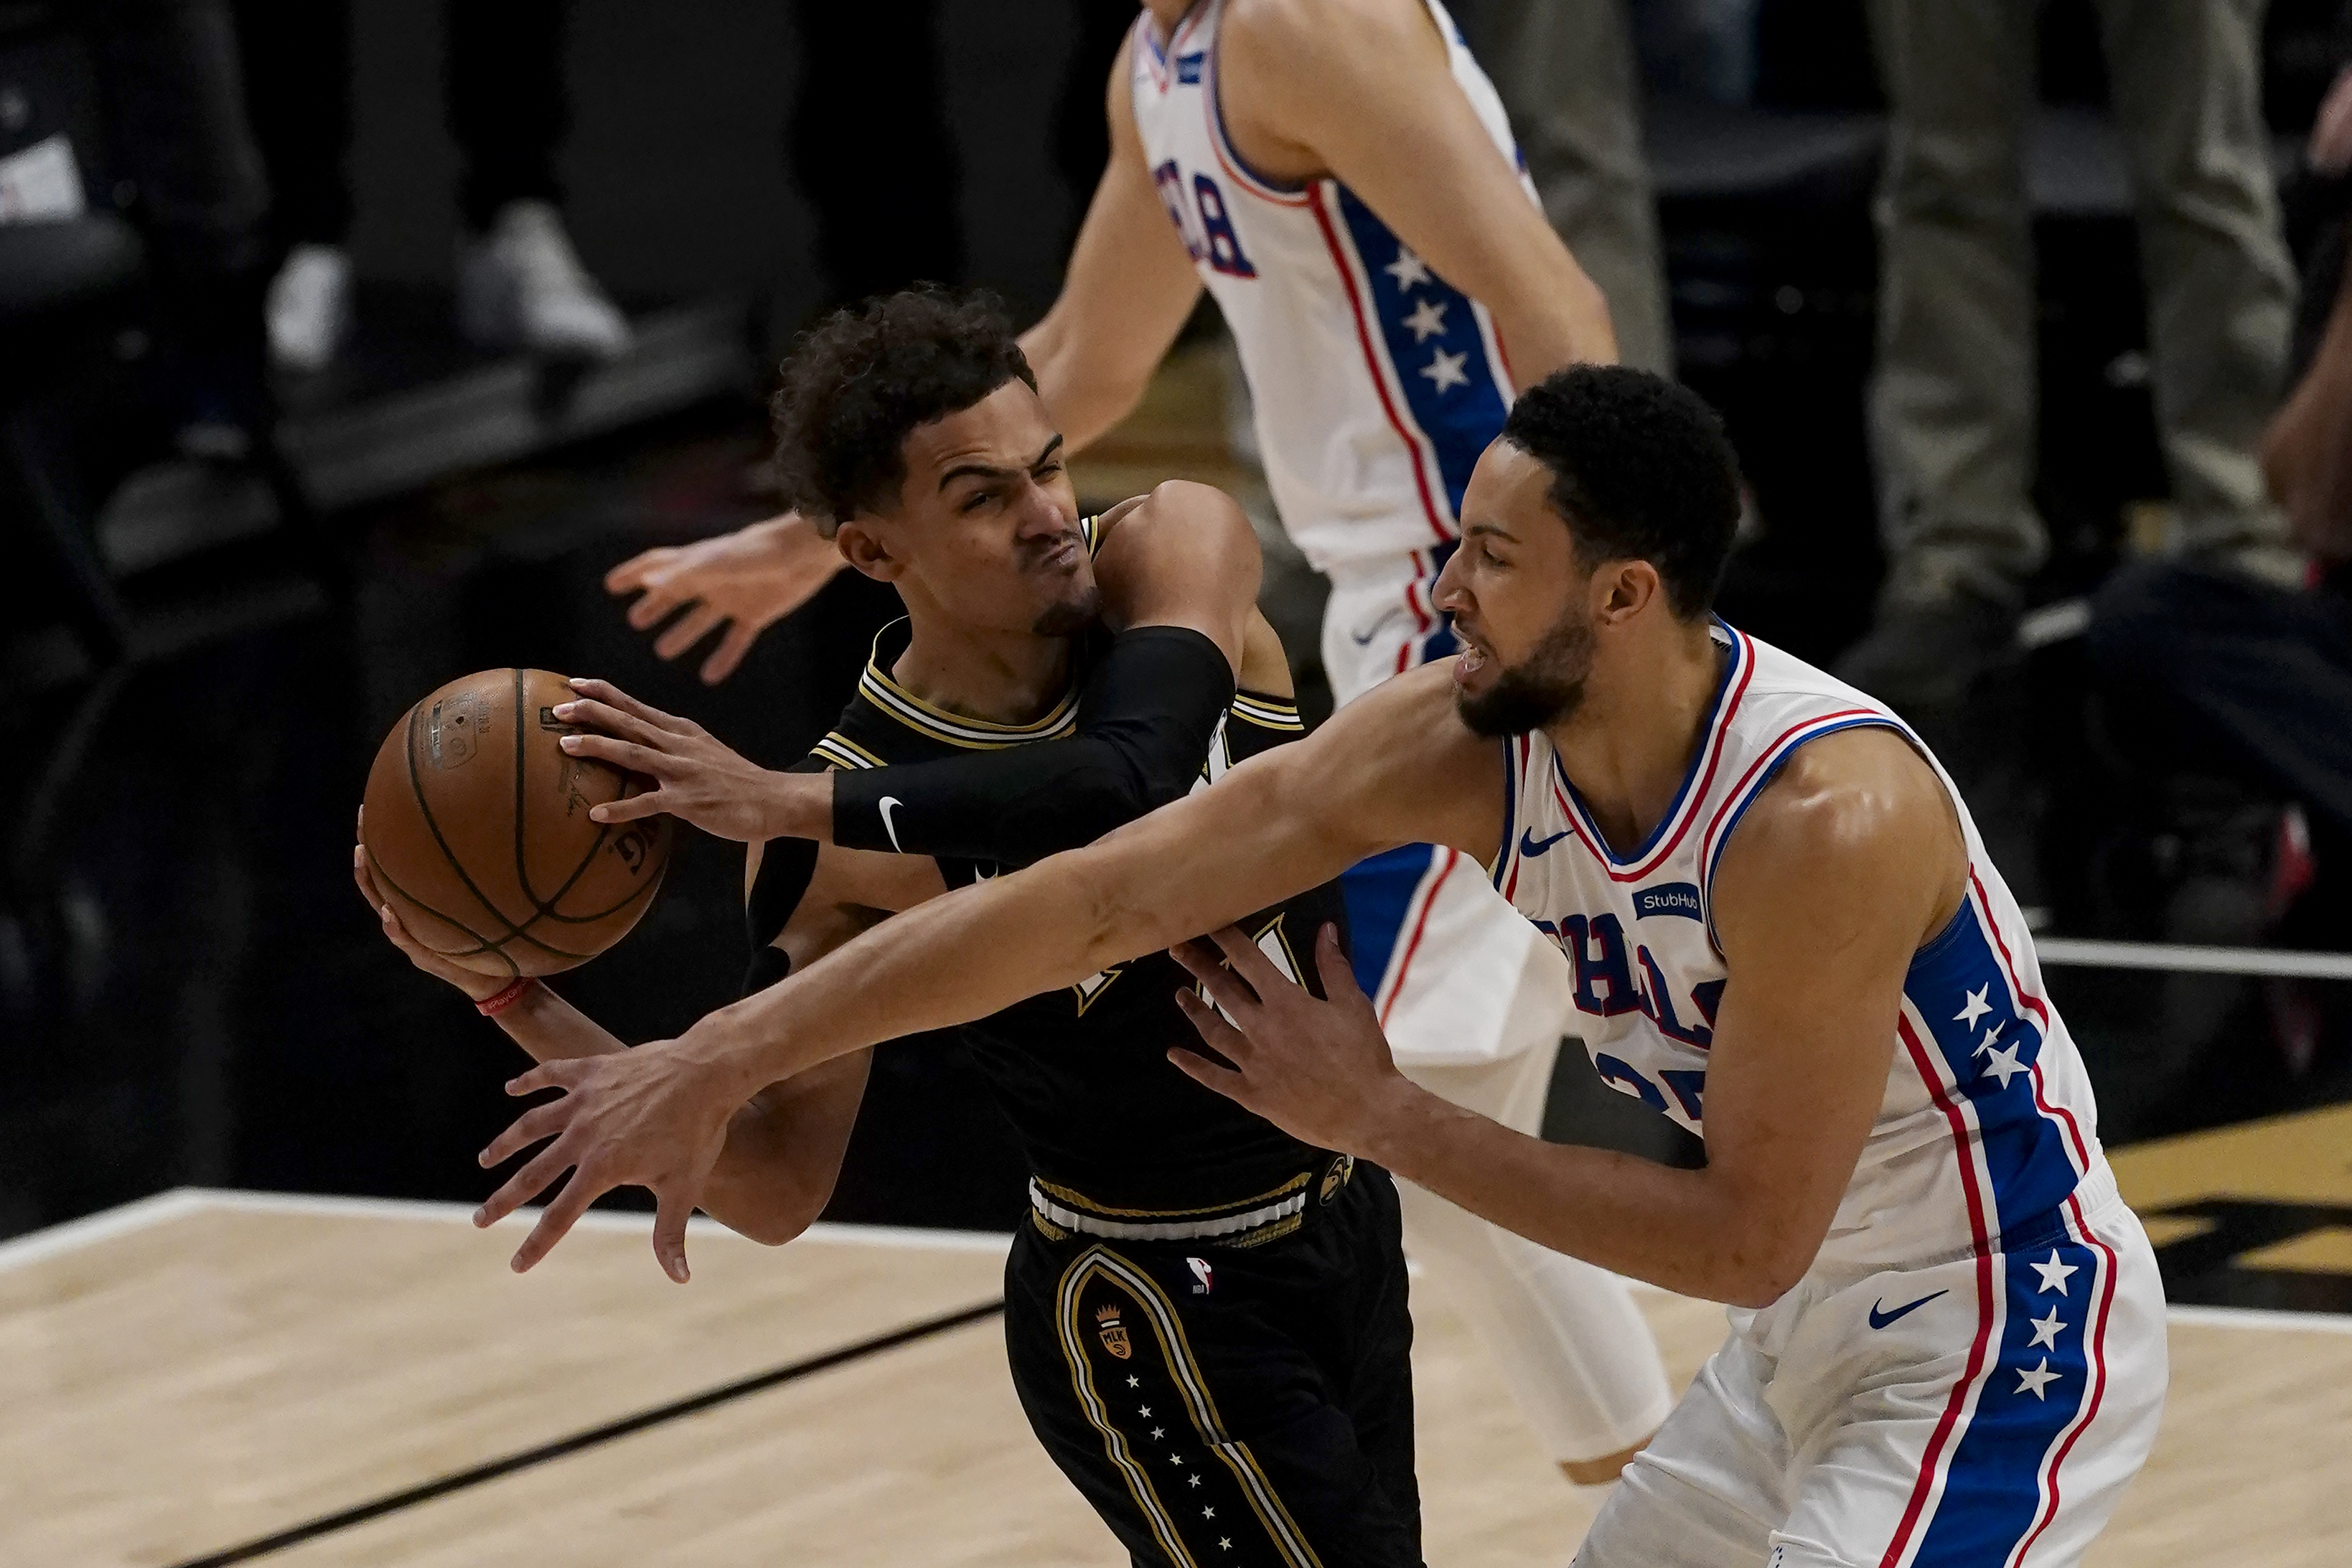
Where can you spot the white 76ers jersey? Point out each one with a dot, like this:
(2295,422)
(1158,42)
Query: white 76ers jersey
(1987,1121)
(1377,385)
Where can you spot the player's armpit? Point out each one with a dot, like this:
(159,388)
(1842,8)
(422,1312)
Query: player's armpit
(1364,92)
(1836,876)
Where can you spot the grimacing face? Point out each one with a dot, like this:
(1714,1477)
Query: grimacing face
(985,526)
(1515,591)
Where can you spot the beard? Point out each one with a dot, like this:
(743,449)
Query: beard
(1545,687)
(1071,616)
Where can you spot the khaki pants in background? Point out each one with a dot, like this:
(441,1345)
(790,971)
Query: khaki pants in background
(1953,403)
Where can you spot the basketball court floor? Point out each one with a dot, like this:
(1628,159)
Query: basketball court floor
(207,1378)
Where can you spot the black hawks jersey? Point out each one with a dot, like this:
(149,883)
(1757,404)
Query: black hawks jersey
(1083,1072)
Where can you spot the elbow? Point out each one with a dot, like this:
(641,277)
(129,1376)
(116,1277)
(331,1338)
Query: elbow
(1757,1277)
(782,1212)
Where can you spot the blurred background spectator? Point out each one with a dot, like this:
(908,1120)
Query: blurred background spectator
(1954,401)
(519,282)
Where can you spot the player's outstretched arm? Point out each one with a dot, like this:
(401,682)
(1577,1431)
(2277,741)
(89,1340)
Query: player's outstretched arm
(1836,876)
(783,1147)
(1364,89)
(1128,289)
(1396,766)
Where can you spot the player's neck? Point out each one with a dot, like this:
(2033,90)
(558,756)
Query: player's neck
(1629,744)
(1001,677)
(1166,14)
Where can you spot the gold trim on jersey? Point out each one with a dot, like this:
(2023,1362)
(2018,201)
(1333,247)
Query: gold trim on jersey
(1282,1532)
(955,728)
(1091,527)
(1076,1199)
(843,752)
(1268,712)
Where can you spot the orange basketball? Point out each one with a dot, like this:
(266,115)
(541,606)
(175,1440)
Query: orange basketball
(477,831)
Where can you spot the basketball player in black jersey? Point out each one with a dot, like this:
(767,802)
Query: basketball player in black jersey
(1205,1318)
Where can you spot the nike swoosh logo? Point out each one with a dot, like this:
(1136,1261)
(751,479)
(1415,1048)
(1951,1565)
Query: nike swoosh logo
(1531,846)
(888,826)
(1880,1319)
(1365,641)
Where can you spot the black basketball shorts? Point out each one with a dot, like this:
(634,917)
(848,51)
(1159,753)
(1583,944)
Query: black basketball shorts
(1241,1402)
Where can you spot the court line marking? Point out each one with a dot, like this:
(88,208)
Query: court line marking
(35,1246)
(180,1202)
(2081,953)
(562,1448)
(2260,1317)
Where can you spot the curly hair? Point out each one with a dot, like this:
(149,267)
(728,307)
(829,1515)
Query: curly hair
(860,381)
(1641,469)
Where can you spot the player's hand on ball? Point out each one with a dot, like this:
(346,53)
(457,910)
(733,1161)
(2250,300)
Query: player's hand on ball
(745,581)
(700,780)
(480,988)
(649,1117)
(1320,1070)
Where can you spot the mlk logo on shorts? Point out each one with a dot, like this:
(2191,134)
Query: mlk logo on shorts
(1113,1331)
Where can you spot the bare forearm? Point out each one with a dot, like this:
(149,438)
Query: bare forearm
(763,1184)
(1188,868)
(1084,401)
(1554,322)
(1681,1229)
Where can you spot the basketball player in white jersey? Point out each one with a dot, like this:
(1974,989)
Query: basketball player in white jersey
(1339,175)
(1948,1336)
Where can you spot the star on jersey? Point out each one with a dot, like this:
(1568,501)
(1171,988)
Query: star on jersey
(2034,1381)
(1158,1433)
(2004,1066)
(1135,1382)
(2046,1330)
(1208,1513)
(1446,371)
(1975,1008)
(2053,1273)
(1409,270)
(1195,1481)
(1427,320)
(1225,1543)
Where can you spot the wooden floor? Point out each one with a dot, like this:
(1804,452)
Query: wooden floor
(204,1370)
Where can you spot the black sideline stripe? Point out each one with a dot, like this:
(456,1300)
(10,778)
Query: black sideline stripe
(691,1405)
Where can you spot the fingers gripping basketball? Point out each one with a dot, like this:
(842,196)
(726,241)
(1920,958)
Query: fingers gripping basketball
(478,833)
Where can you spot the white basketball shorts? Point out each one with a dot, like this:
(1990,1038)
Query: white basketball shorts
(1977,1411)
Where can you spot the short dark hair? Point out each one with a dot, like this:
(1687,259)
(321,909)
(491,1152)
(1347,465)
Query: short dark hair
(1641,471)
(861,380)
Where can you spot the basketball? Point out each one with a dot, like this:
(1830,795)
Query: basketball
(477,831)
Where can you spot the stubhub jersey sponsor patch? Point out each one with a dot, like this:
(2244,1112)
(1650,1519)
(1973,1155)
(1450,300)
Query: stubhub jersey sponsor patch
(1667,898)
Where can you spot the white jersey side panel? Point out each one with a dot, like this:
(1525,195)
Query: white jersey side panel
(1377,385)
(1987,1121)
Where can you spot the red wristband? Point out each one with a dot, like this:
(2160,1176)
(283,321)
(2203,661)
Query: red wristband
(492,1006)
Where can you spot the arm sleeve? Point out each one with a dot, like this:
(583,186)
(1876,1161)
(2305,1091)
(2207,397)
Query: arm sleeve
(1146,716)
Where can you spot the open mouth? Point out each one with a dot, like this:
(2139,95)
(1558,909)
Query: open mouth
(1474,656)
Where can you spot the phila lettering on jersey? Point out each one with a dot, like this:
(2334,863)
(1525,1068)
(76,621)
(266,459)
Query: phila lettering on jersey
(1376,383)
(1988,1126)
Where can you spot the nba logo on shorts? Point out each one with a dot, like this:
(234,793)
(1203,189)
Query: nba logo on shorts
(1204,1282)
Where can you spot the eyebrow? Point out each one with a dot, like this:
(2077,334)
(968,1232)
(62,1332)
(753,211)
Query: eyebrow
(990,471)
(1479,528)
